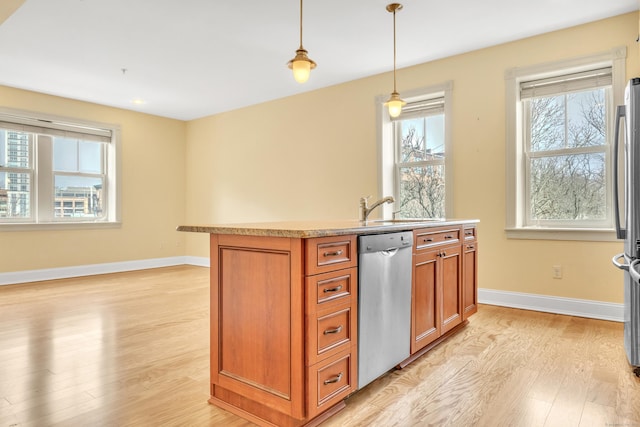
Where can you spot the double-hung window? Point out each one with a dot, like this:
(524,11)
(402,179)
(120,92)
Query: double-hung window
(417,173)
(56,171)
(561,173)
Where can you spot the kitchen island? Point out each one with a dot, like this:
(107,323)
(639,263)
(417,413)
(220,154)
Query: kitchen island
(284,304)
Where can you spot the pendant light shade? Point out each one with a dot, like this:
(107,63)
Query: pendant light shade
(301,64)
(395,103)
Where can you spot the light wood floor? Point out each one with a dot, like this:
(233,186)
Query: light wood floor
(132,349)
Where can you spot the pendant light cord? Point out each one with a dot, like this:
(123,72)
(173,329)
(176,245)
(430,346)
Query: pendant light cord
(394,50)
(300,24)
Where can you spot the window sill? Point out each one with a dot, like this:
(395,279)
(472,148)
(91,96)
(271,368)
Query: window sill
(59,226)
(584,234)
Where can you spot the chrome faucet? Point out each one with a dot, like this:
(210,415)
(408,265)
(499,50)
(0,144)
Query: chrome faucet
(365,209)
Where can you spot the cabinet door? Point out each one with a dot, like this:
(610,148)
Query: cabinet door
(425,318)
(257,320)
(470,279)
(451,261)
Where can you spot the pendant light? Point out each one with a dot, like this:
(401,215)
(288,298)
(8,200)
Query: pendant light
(395,103)
(301,64)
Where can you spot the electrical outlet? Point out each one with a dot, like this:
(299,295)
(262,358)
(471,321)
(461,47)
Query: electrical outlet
(557,272)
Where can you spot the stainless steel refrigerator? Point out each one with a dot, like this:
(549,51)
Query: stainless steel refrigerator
(627,207)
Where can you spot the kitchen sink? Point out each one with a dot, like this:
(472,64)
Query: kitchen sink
(402,220)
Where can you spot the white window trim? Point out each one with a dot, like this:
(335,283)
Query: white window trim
(514,184)
(113,172)
(387,151)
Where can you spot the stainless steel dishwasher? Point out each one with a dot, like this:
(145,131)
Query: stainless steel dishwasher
(384,303)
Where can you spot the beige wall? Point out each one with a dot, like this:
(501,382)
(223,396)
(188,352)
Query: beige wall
(313,155)
(153,201)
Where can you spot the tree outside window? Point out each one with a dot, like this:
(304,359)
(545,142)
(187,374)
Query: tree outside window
(420,167)
(566,155)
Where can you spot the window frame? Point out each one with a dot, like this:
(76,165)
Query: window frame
(43,174)
(388,149)
(517,162)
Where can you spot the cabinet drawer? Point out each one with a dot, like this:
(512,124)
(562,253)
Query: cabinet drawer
(330,332)
(426,238)
(470,245)
(469,233)
(328,288)
(334,329)
(330,382)
(330,253)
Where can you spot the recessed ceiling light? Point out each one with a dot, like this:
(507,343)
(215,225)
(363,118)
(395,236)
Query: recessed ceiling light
(138,101)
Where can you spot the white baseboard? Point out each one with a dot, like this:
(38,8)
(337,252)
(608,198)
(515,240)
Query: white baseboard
(92,269)
(557,305)
(548,304)
(198,261)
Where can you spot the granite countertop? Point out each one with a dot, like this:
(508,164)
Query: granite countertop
(309,229)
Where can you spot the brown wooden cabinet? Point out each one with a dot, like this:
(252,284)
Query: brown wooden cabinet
(436,284)
(283,326)
(331,279)
(469,272)
(257,326)
(284,317)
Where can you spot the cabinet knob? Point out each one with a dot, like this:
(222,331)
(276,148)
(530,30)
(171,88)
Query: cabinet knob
(334,379)
(336,253)
(333,331)
(336,289)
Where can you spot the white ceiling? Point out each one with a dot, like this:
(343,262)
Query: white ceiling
(192,58)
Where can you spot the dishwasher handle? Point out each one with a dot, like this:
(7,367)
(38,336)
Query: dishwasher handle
(390,252)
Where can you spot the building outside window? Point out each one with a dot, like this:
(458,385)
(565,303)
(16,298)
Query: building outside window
(415,154)
(560,153)
(54,171)
(15,174)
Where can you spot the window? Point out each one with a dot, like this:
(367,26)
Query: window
(415,152)
(560,149)
(56,171)
(566,149)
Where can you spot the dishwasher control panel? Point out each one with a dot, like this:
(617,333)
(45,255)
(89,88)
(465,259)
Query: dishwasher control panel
(385,242)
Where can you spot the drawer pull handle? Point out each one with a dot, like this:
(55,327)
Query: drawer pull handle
(336,289)
(334,379)
(333,331)
(448,236)
(470,247)
(468,233)
(336,253)
(429,239)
